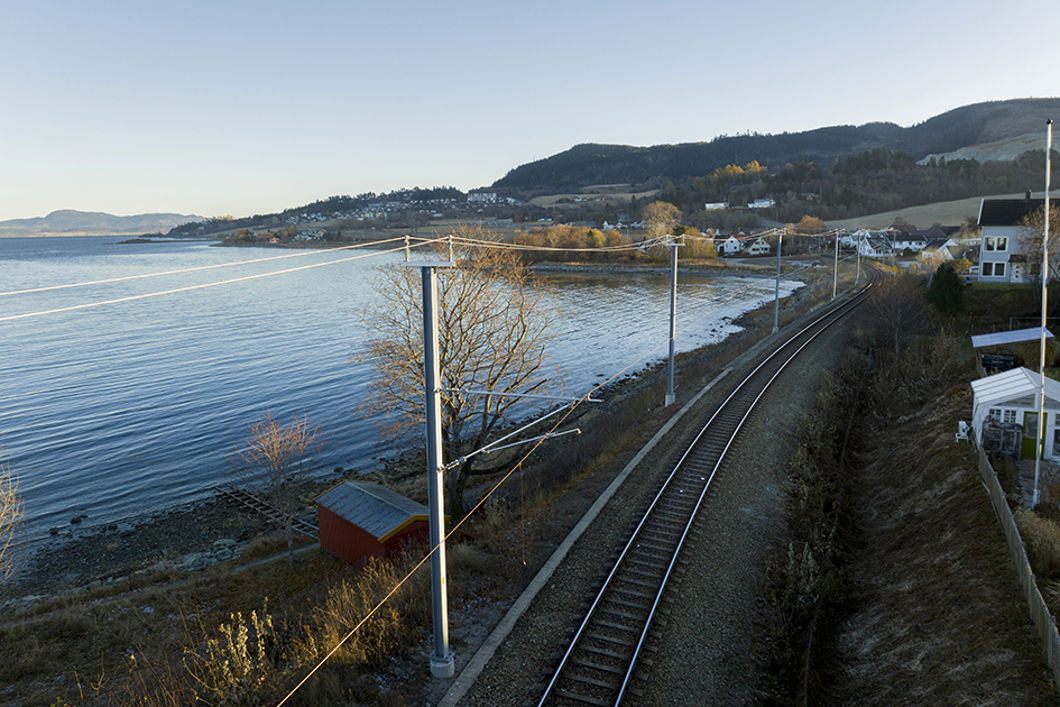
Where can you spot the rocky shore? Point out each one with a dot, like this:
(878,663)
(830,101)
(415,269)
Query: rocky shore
(194,537)
(184,539)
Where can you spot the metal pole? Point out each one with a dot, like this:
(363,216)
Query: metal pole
(673,322)
(1040,442)
(857,278)
(442,663)
(776,292)
(835,266)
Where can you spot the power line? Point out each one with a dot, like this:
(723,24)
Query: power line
(469,242)
(200,268)
(190,288)
(567,412)
(525,246)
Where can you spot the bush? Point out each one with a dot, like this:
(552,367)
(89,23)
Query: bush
(1042,538)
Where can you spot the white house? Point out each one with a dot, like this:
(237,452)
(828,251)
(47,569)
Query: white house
(715,206)
(762,204)
(1005,412)
(1001,256)
(759,246)
(729,246)
(907,241)
(850,240)
(875,246)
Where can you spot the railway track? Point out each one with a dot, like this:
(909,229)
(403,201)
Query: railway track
(599,662)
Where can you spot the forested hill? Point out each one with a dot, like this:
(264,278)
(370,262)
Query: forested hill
(590,164)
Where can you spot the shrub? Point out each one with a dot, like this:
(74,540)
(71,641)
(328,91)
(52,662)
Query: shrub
(235,664)
(1042,538)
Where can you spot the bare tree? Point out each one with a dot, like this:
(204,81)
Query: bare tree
(492,335)
(1030,242)
(276,456)
(660,217)
(10,516)
(898,305)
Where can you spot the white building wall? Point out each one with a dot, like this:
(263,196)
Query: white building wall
(990,260)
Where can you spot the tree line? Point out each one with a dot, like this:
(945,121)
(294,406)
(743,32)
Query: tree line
(864,183)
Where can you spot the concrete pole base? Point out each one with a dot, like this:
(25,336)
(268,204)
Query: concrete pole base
(670,398)
(443,667)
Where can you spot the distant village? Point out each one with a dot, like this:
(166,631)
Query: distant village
(996,251)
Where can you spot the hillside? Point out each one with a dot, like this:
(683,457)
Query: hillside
(999,150)
(89,223)
(649,166)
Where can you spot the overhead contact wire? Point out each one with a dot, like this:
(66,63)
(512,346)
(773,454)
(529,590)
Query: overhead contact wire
(191,288)
(199,268)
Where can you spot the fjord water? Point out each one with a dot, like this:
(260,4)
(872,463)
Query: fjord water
(117,410)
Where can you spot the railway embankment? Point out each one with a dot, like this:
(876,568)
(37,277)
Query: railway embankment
(926,606)
(727,544)
(848,553)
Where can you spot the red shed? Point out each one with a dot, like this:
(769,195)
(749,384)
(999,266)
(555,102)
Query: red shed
(359,520)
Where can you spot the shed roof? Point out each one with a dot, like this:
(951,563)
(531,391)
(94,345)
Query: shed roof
(1009,385)
(1015,336)
(375,508)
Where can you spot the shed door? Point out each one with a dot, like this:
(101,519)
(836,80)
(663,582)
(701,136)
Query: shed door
(1030,431)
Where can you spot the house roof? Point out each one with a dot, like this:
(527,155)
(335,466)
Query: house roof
(375,508)
(1007,212)
(1016,336)
(1009,385)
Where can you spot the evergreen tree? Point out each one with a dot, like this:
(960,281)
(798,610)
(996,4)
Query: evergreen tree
(945,289)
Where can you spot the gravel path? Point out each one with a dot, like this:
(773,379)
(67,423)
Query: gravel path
(711,613)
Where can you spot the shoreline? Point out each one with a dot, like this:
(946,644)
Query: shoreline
(196,535)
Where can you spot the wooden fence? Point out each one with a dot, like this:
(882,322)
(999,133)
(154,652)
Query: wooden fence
(1044,622)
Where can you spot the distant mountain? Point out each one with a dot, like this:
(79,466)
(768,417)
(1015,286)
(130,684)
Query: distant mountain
(69,222)
(591,164)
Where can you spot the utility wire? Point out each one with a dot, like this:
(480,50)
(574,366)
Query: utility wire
(315,251)
(525,246)
(567,412)
(189,288)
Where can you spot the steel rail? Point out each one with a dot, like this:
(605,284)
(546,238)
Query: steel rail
(828,317)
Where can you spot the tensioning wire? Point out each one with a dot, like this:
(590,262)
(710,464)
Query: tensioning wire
(189,288)
(518,465)
(199,268)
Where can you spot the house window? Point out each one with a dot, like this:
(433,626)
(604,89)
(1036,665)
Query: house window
(993,269)
(997,243)
(1009,417)
(994,414)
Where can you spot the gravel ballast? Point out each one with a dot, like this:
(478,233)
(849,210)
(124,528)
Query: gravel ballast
(709,620)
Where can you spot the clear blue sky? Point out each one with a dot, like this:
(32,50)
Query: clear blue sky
(249,107)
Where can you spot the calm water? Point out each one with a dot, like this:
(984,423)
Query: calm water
(127,408)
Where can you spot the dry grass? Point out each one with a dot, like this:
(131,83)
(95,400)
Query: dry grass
(135,648)
(1042,539)
(611,193)
(930,563)
(948,213)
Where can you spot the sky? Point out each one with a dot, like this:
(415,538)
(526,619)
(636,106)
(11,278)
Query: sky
(235,108)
